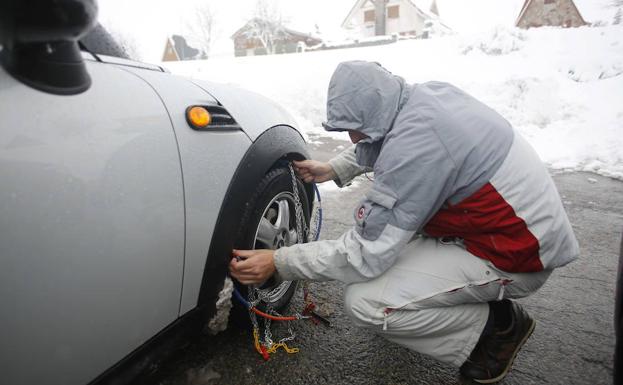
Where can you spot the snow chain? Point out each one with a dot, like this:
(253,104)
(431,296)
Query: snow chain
(265,346)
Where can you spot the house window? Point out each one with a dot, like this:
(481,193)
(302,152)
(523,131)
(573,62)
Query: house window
(250,44)
(393,12)
(368,16)
(550,1)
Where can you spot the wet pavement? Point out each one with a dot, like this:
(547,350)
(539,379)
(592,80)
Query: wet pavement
(572,344)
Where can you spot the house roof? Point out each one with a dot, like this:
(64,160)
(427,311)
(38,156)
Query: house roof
(523,10)
(424,11)
(358,4)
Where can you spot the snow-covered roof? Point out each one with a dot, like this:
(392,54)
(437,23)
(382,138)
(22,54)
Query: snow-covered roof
(423,8)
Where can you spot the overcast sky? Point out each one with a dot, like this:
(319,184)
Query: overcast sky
(149,22)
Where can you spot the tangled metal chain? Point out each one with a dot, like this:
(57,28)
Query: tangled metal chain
(301,225)
(257,295)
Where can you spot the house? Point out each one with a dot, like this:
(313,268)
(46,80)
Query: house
(169,51)
(558,13)
(402,17)
(177,49)
(261,37)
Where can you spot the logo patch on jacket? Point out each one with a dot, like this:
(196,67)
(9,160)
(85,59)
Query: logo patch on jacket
(361,212)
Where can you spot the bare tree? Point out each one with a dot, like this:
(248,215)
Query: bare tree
(126,42)
(267,25)
(202,28)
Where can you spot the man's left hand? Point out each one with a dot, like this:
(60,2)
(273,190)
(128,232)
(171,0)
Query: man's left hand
(254,266)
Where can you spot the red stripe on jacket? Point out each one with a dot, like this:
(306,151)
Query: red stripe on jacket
(490,229)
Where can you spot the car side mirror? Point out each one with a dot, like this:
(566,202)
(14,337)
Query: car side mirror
(39,43)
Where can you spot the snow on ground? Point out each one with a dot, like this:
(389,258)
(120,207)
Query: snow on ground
(561,88)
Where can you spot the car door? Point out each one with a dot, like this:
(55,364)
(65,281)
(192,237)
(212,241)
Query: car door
(91,226)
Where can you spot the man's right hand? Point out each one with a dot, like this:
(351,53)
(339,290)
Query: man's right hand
(314,171)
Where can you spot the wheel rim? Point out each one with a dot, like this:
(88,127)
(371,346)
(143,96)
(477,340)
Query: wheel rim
(277,228)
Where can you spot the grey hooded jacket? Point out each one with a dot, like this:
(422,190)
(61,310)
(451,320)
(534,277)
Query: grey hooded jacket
(441,158)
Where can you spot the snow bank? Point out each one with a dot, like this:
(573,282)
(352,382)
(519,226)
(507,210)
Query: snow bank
(561,88)
(501,41)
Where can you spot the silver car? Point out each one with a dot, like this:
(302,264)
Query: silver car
(119,207)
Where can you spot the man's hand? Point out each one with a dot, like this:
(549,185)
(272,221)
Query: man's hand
(254,267)
(314,171)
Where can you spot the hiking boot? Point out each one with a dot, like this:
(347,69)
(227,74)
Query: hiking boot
(494,353)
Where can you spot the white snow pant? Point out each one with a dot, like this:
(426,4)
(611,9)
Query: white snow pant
(434,298)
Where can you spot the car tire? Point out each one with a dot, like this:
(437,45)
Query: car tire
(269,222)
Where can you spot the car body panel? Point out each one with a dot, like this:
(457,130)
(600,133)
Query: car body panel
(91,226)
(254,112)
(209,161)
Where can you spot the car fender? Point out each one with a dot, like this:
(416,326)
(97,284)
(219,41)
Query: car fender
(277,144)
(253,112)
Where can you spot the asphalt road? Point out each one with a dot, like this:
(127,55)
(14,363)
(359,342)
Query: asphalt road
(573,342)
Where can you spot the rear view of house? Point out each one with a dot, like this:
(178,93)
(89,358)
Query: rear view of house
(176,48)
(387,17)
(265,37)
(557,13)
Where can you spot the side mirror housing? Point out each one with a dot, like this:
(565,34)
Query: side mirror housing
(39,43)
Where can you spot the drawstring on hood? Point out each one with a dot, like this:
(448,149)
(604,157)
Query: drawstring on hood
(365,97)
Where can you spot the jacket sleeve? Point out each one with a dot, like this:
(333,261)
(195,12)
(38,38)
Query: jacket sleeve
(346,167)
(350,258)
(355,256)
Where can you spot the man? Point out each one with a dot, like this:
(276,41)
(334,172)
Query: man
(462,217)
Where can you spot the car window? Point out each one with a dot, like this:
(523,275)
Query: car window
(100,41)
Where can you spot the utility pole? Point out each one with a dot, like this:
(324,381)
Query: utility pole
(380,13)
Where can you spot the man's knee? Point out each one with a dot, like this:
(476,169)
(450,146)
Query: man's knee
(363,310)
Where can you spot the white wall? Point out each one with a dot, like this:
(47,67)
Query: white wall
(409,20)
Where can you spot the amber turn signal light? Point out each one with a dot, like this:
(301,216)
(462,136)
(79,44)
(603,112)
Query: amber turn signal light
(198,117)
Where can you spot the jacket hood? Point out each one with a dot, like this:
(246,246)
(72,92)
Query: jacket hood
(365,97)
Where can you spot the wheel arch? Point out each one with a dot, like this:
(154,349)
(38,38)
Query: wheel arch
(271,149)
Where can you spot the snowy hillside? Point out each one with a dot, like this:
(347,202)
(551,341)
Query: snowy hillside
(561,88)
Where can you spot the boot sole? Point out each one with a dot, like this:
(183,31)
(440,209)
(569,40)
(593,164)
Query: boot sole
(510,363)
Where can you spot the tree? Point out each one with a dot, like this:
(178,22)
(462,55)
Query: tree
(266,26)
(126,42)
(201,29)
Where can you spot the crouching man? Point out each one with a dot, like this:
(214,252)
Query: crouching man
(462,218)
